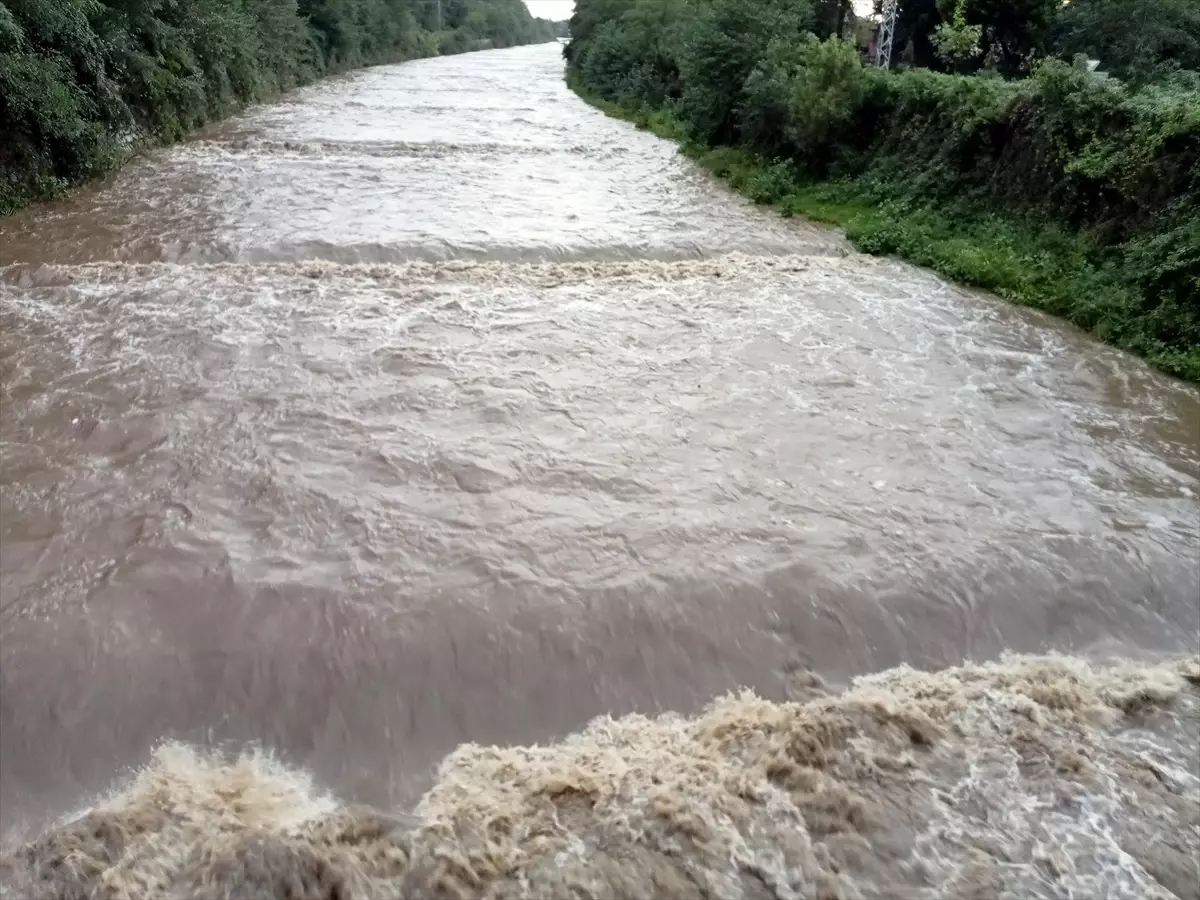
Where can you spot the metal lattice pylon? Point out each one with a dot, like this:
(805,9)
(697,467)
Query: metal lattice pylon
(887,31)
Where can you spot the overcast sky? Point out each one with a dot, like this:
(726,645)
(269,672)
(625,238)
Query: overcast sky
(561,9)
(551,9)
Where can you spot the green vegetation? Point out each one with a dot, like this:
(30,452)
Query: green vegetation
(1136,39)
(1002,163)
(85,82)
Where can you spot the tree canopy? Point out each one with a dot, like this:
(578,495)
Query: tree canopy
(1136,39)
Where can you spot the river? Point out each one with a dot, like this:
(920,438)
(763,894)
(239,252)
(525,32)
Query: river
(430,406)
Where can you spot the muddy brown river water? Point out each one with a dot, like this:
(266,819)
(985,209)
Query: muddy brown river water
(430,405)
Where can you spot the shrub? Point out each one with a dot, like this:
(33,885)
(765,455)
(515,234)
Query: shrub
(828,91)
(724,43)
(762,115)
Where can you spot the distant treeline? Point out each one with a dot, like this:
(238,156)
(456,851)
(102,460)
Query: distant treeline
(993,155)
(82,82)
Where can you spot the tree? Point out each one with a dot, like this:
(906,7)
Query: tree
(1014,31)
(832,17)
(958,44)
(724,42)
(1132,38)
(588,17)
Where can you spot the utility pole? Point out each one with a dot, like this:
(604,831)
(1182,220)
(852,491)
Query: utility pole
(439,8)
(887,31)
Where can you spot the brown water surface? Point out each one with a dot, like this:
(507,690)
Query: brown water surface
(431,405)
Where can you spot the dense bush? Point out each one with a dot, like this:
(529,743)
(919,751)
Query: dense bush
(1063,155)
(82,81)
(723,44)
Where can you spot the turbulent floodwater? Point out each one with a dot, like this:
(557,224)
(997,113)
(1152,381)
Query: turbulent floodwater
(431,409)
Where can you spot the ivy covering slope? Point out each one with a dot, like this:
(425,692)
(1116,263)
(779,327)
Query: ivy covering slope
(82,82)
(1005,164)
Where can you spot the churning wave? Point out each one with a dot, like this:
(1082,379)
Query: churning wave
(486,272)
(207,150)
(1026,777)
(451,259)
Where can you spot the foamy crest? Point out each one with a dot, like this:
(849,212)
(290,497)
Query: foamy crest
(409,273)
(209,150)
(1030,777)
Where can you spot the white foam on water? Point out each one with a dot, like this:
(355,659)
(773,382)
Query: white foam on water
(1027,776)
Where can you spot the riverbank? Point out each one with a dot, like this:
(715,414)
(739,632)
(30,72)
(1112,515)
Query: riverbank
(83,89)
(1029,776)
(998,157)
(1029,263)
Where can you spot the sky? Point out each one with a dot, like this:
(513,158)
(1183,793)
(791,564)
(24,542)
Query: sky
(551,9)
(561,9)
